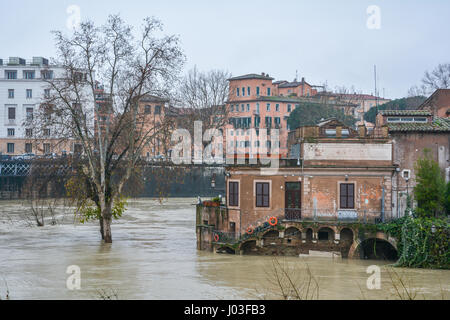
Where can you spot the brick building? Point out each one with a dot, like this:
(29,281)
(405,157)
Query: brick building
(340,174)
(438,103)
(257,102)
(413,131)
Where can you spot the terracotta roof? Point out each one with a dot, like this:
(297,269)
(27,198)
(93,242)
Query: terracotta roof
(437,125)
(438,92)
(252,76)
(405,112)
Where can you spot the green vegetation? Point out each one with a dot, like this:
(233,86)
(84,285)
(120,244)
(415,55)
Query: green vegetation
(430,191)
(310,113)
(424,237)
(410,103)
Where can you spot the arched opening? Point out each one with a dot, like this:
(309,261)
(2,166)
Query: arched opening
(249,247)
(226,250)
(293,232)
(272,234)
(346,235)
(325,234)
(377,249)
(309,235)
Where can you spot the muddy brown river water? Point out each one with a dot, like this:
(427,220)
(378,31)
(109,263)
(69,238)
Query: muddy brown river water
(154,256)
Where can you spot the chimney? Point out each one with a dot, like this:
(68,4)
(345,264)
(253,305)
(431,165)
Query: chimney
(303,79)
(262,73)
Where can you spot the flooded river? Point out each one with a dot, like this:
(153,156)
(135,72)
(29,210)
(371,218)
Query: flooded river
(154,256)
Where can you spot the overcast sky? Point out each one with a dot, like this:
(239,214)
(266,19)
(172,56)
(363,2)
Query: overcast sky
(324,40)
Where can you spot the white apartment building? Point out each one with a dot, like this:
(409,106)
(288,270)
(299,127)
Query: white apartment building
(22,88)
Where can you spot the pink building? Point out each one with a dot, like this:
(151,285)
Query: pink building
(256,102)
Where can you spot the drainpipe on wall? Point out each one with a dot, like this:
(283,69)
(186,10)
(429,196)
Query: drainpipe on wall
(382,205)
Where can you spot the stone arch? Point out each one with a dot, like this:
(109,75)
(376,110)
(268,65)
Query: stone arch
(271,234)
(293,232)
(248,247)
(325,233)
(346,234)
(377,247)
(225,249)
(309,234)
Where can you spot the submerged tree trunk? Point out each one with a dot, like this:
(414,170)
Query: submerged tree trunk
(107,237)
(106,218)
(101,227)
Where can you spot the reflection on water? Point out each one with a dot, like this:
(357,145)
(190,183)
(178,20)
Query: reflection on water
(154,256)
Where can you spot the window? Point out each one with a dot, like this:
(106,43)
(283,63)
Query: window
(257,121)
(11,113)
(46,93)
(268,121)
(257,107)
(248,107)
(232,108)
(11,93)
(10,132)
(277,107)
(47,74)
(29,93)
(147,109)
(262,194)
(248,91)
(12,74)
(10,147)
(243,91)
(237,92)
(157,109)
(46,148)
(288,108)
(242,107)
(277,121)
(46,132)
(28,74)
(257,91)
(233,194)
(347,195)
(28,148)
(268,107)
(29,132)
(268,91)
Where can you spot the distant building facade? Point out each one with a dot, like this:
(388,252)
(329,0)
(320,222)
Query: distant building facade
(413,131)
(22,88)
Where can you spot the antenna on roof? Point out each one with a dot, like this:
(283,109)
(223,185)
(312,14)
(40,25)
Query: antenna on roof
(296,75)
(376,96)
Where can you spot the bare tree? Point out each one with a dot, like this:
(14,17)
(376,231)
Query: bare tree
(288,282)
(439,78)
(43,189)
(203,96)
(112,136)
